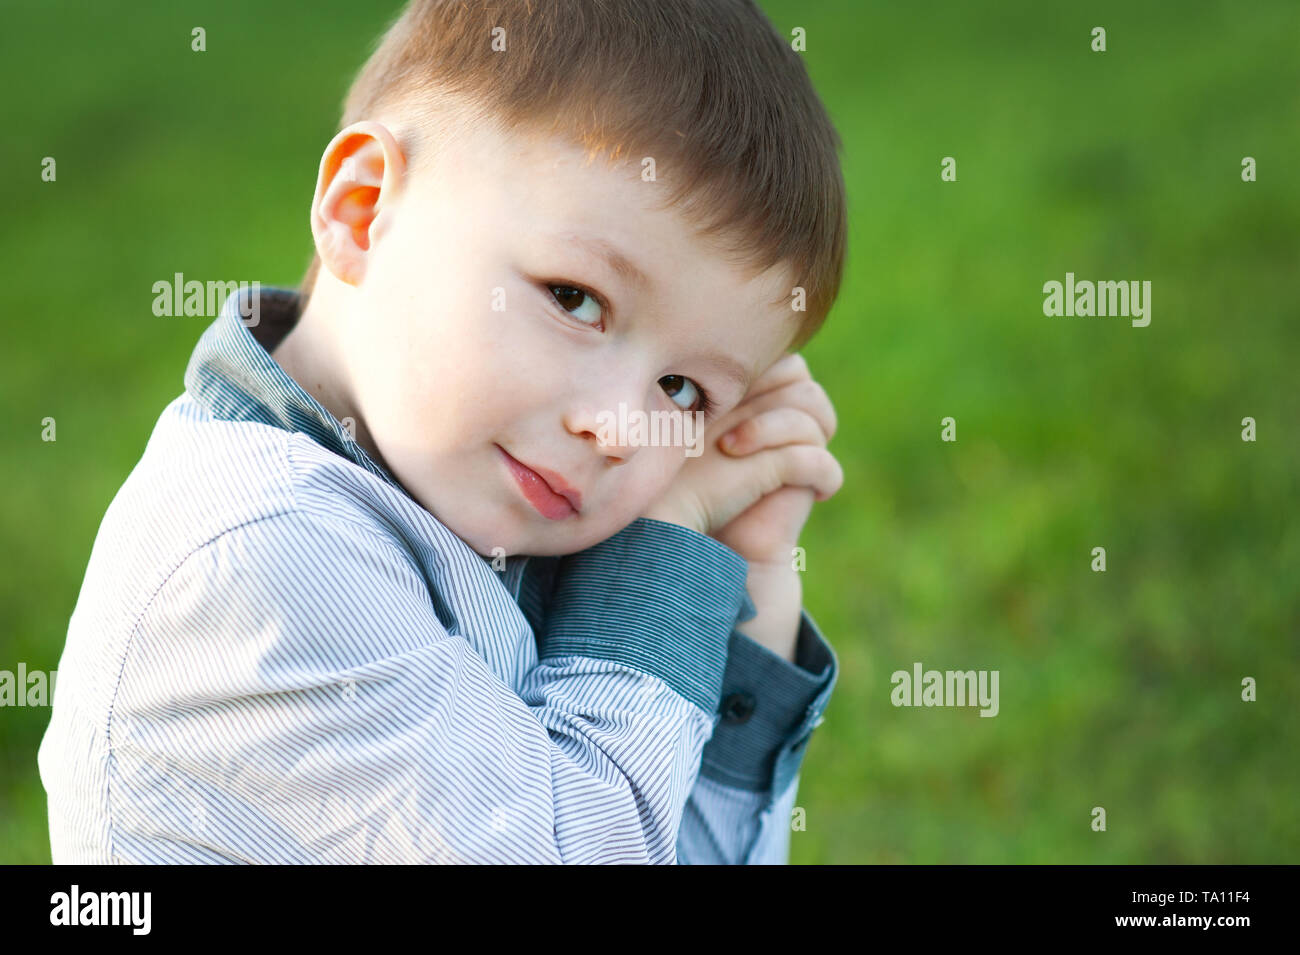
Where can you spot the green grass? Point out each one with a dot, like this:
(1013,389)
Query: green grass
(1119,690)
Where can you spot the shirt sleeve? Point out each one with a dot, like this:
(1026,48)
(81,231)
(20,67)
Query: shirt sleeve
(739,808)
(290,696)
(739,811)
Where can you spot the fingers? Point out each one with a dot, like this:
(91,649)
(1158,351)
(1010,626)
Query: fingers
(784,371)
(771,429)
(804,395)
(786,382)
(800,465)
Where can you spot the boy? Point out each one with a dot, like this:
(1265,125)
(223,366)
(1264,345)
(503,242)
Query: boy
(381,589)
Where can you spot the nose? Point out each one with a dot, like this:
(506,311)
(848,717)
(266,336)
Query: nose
(609,421)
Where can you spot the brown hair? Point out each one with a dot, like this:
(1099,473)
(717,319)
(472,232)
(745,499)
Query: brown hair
(707,87)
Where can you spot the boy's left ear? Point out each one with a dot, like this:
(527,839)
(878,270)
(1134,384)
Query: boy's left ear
(362,171)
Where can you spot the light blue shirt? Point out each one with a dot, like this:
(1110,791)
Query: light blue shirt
(279,656)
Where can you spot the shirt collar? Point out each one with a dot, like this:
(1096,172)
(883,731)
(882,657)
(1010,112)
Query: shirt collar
(232,375)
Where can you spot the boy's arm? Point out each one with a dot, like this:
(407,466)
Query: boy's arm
(290,696)
(738,810)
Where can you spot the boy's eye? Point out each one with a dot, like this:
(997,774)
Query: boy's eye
(676,386)
(571,299)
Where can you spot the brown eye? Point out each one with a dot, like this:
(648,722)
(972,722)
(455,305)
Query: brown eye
(674,385)
(572,298)
(569,297)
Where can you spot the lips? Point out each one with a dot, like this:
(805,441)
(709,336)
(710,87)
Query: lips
(547,491)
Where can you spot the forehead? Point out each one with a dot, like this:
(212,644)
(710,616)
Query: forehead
(542,195)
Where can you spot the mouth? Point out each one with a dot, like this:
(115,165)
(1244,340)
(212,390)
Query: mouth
(548,492)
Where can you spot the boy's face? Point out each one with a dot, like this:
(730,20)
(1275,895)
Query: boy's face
(470,353)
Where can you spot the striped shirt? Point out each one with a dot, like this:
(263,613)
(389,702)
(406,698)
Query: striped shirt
(278,656)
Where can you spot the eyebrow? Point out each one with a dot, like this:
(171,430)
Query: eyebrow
(611,255)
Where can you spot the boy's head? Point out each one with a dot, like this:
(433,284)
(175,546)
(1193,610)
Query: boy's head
(540,210)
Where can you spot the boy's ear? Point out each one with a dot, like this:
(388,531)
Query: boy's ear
(361,172)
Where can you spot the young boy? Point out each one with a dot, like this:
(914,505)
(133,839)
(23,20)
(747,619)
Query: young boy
(383,588)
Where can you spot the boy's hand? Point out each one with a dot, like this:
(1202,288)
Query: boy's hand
(755,495)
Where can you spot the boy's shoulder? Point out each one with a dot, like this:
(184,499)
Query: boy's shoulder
(202,478)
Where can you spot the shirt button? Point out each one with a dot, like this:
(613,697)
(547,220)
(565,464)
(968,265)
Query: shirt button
(738,708)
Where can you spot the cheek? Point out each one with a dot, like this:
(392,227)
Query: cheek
(445,371)
(658,470)
(667,465)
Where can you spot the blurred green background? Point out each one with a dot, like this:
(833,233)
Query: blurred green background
(1118,689)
